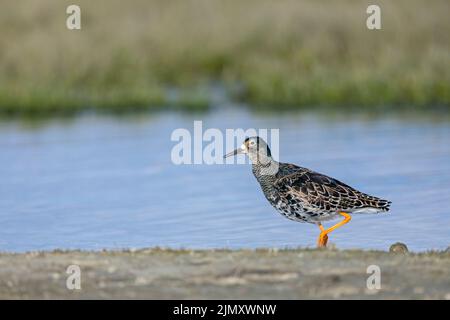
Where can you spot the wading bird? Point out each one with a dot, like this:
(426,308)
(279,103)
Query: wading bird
(303,195)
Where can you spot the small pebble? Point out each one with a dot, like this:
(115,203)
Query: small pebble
(399,247)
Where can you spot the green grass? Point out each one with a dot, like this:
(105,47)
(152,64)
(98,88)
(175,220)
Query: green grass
(60,101)
(346,92)
(288,54)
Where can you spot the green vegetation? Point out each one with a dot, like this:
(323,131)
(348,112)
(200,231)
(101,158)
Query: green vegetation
(280,54)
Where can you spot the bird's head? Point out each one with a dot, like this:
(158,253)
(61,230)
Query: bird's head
(255,147)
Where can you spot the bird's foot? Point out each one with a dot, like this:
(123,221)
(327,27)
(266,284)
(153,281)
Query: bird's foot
(322,241)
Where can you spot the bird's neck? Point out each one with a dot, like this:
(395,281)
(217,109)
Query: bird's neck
(265,173)
(265,168)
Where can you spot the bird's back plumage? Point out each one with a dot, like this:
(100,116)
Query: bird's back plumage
(308,196)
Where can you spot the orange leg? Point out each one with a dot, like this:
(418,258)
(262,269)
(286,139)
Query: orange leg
(323,237)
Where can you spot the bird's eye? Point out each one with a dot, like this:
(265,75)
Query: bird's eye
(252,143)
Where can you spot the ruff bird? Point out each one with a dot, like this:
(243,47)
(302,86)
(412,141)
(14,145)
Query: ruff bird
(303,195)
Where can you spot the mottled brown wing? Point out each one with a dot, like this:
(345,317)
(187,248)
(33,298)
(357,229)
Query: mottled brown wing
(320,192)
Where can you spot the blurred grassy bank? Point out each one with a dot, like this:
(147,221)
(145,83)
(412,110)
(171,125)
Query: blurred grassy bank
(280,54)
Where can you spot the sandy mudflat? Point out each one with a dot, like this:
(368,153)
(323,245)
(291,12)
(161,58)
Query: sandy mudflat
(224,274)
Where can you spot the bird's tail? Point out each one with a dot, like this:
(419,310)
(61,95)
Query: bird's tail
(373,204)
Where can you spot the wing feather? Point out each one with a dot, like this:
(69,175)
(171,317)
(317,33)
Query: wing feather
(320,192)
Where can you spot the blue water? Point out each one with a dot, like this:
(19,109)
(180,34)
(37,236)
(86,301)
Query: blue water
(97,182)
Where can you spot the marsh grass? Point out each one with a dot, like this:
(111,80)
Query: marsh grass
(285,54)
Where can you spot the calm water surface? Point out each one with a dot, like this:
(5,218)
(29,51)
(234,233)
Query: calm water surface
(99,182)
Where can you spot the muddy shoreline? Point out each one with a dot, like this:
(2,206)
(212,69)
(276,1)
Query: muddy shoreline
(225,274)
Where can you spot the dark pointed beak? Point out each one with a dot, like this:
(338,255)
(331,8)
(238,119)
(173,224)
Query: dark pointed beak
(234,152)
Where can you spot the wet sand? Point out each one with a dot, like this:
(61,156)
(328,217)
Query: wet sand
(225,274)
